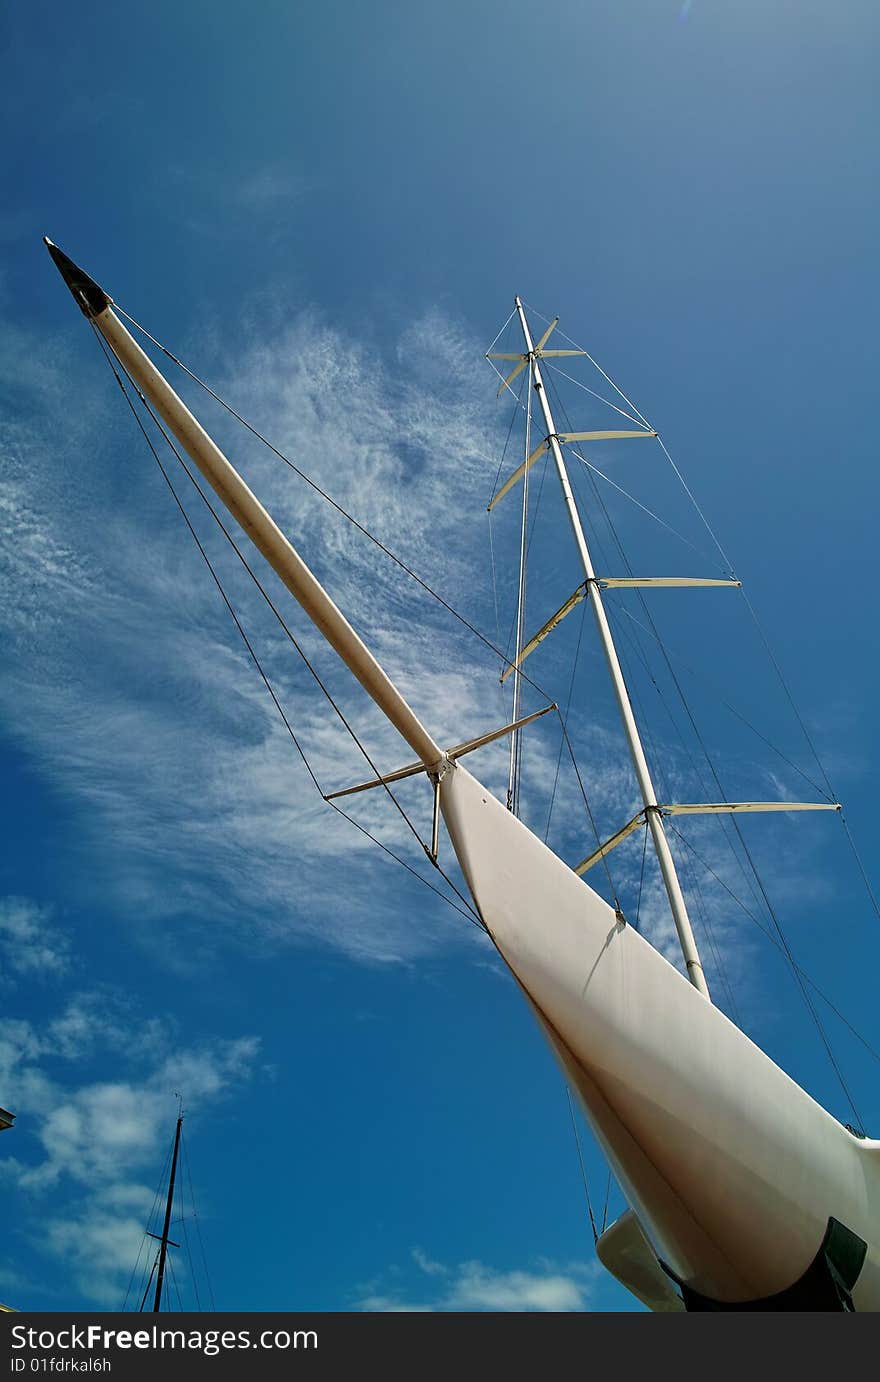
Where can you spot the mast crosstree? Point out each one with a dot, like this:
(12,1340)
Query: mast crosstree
(591,588)
(653,814)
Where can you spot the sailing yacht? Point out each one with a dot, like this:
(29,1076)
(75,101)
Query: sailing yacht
(743,1192)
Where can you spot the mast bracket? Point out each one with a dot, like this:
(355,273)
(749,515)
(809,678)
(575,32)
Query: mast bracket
(555,619)
(158,1237)
(709,808)
(437,774)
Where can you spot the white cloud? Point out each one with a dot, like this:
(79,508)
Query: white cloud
(473,1286)
(427,1264)
(96,1130)
(30,943)
(100,1245)
(88,1143)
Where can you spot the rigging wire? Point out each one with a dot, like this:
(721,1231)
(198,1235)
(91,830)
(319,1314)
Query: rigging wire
(720,821)
(408,570)
(607,401)
(686,706)
(195,1216)
(607,1198)
(773,941)
(471,912)
(586,799)
(494,580)
(502,331)
(729,567)
(170,1261)
(150,1217)
(736,828)
(149,1282)
(435,595)
(724,825)
(183,1219)
(514,778)
(721,552)
(703,912)
(638,503)
(517,404)
(531,533)
(550,365)
(782,680)
(663,782)
(729,706)
(628,401)
(852,844)
(577,1143)
(793,964)
(490,519)
(445,604)
(566,741)
(398,561)
(574,664)
(192,1268)
(641,877)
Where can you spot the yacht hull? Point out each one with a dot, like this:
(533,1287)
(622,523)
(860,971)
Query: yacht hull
(732,1169)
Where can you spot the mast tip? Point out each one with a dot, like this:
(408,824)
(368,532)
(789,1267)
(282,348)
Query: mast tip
(89,296)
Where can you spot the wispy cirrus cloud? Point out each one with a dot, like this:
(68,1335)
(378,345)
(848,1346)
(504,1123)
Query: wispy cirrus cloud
(32,944)
(131,690)
(133,693)
(268,189)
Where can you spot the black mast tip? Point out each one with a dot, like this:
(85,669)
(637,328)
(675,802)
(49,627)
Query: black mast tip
(90,298)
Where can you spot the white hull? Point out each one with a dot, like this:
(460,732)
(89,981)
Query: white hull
(732,1169)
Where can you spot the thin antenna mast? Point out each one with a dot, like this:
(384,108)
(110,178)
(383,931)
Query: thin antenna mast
(163,1244)
(515,738)
(637,752)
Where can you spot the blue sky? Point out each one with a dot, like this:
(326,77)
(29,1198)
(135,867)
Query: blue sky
(327,213)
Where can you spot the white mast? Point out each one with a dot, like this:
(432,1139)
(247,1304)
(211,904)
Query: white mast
(637,752)
(249,512)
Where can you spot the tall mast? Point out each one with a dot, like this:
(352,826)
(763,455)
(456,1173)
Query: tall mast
(163,1244)
(248,511)
(637,752)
